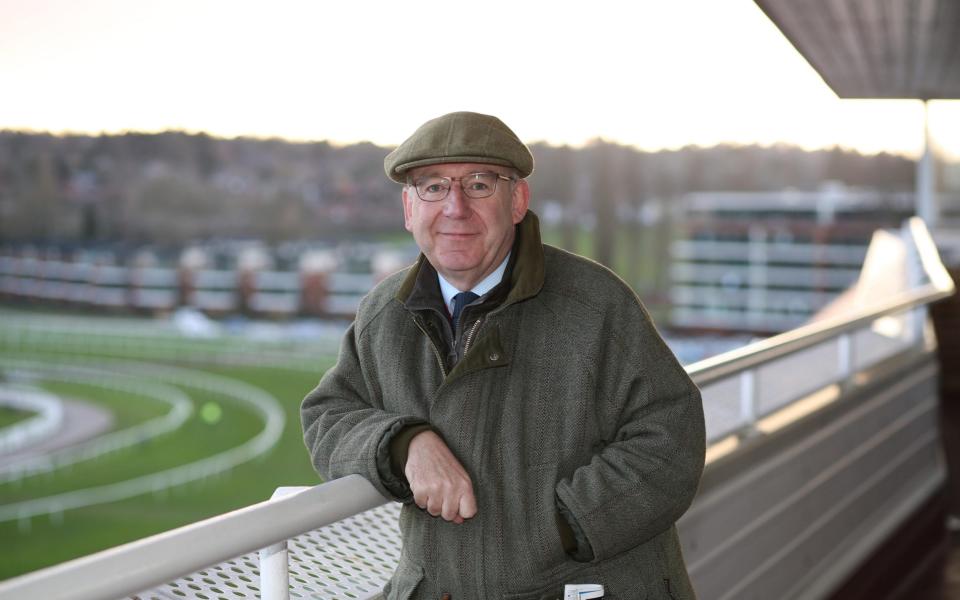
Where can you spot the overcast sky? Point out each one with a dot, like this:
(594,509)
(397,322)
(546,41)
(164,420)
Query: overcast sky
(651,73)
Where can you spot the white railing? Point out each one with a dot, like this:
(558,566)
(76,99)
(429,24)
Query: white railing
(141,339)
(773,250)
(47,419)
(767,375)
(272,292)
(139,565)
(266,405)
(180,410)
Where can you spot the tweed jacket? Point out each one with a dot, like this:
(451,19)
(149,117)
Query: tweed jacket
(564,397)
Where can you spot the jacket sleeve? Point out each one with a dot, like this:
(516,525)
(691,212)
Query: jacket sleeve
(645,478)
(347,430)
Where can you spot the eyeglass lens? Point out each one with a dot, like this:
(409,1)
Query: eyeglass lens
(474,185)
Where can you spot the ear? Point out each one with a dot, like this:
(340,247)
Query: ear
(408,200)
(520,200)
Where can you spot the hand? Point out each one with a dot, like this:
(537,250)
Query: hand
(439,482)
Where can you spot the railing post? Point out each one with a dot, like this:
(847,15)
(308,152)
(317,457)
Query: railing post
(274,565)
(845,359)
(748,400)
(274,572)
(916,317)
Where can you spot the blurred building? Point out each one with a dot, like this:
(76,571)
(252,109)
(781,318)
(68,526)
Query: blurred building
(765,262)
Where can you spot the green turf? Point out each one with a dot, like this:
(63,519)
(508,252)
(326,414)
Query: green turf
(10,416)
(49,540)
(127,409)
(239,423)
(161,347)
(288,463)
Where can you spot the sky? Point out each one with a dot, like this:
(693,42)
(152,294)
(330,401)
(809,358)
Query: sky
(648,73)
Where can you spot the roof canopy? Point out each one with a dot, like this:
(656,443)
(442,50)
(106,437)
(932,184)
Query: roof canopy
(876,48)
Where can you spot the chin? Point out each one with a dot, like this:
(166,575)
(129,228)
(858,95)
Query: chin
(456,267)
(455,262)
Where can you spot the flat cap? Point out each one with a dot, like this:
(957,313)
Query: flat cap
(460,137)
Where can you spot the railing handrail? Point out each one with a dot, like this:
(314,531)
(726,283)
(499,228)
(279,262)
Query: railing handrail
(151,561)
(763,351)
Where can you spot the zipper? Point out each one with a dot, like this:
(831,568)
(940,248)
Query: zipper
(470,334)
(433,345)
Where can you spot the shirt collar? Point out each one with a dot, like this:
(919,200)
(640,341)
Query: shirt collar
(488,283)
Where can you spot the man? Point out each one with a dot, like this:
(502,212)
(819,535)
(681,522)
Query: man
(539,432)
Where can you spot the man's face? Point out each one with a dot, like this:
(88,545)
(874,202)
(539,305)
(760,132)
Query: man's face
(465,239)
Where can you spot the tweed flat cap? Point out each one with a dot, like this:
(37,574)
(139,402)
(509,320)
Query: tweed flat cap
(457,138)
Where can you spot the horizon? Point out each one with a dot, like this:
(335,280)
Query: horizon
(344,144)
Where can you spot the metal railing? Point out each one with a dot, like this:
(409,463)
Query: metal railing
(741,367)
(136,566)
(133,567)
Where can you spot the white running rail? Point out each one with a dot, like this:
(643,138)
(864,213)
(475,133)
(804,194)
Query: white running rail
(46,421)
(265,404)
(180,410)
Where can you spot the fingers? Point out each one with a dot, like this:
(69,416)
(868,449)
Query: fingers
(468,506)
(447,503)
(449,510)
(440,484)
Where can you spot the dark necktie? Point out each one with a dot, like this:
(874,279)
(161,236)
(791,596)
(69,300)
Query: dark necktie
(459,301)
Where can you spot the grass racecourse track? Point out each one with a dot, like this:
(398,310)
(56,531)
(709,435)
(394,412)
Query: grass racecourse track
(199,427)
(9,416)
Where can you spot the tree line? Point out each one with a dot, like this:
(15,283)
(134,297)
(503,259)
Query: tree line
(175,187)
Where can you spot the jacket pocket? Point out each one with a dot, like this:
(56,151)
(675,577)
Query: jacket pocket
(573,573)
(553,591)
(544,549)
(404,582)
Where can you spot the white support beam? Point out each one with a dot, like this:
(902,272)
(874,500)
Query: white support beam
(926,194)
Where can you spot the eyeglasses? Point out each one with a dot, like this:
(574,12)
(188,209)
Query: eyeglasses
(474,185)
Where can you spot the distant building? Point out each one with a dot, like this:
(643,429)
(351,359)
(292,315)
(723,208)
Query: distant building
(765,262)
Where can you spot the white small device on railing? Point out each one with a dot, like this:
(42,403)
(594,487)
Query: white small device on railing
(582,591)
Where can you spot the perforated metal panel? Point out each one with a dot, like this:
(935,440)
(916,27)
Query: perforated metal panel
(351,559)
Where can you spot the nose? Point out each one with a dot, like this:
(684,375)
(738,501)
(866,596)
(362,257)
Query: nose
(455,205)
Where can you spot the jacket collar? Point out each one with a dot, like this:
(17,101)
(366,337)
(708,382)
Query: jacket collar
(421,290)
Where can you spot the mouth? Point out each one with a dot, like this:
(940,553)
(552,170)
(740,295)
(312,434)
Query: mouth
(456,236)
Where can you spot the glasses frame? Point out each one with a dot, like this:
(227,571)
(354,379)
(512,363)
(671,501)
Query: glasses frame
(460,179)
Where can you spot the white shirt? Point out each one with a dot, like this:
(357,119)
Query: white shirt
(488,283)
